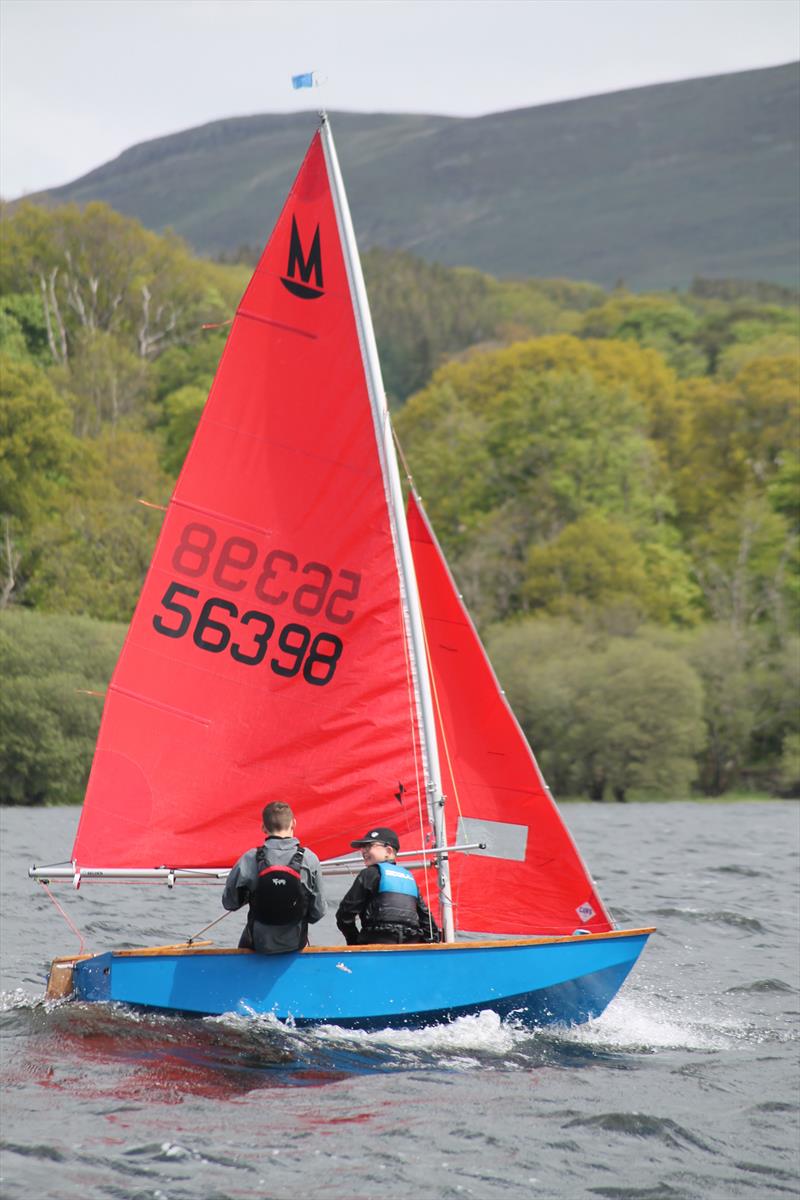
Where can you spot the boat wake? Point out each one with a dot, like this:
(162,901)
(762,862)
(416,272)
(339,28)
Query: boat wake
(636,1023)
(461,1045)
(631,1025)
(485,1032)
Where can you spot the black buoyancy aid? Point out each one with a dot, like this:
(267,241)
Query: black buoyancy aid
(395,902)
(280,896)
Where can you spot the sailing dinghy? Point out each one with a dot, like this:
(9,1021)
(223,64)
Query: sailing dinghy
(299,637)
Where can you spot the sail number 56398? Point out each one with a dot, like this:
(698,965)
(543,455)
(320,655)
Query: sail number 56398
(218,623)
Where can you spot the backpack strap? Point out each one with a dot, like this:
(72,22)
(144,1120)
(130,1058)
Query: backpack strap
(294,864)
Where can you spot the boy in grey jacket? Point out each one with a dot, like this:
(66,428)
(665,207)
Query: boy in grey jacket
(281,882)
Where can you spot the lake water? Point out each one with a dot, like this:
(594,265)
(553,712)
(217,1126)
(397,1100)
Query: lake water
(688,1087)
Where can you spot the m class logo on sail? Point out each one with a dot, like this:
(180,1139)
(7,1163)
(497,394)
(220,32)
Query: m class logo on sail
(303,266)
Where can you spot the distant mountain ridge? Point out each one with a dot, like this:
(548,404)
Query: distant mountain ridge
(652,185)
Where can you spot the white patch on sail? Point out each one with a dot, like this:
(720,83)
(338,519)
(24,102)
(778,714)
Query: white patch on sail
(502,839)
(585,912)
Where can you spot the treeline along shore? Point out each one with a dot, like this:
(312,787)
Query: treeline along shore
(613,476)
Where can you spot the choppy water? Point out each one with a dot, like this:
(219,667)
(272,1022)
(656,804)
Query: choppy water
(688,1087)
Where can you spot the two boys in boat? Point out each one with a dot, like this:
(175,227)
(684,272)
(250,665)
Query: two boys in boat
(281,882)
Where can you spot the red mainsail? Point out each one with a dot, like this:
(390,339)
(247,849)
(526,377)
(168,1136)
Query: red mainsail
(530,879)
(267,657)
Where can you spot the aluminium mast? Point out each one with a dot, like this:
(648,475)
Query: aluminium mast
(395,495)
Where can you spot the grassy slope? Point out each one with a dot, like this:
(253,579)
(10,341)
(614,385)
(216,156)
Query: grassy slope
(653,185)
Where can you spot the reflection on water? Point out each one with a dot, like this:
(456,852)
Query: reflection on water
(98,1050)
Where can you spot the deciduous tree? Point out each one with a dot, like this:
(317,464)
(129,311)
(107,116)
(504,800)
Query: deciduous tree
(48,725)
(91,555)
(604,715)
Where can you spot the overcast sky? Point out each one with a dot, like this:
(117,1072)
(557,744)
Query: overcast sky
(81,80)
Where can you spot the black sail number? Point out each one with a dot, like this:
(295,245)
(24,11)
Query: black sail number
(168,602)
(217,627)
(213,635)
(321,662)
(293,641)
(260,640)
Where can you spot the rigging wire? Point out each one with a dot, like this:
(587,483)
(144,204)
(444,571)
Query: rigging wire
(402,456)
(443,731)
(66,917)
(434,693)
(432,677)
(411,690)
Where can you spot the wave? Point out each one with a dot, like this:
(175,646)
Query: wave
(642,1125)
(735,920)
(19,998)
(735,869)
(763,985)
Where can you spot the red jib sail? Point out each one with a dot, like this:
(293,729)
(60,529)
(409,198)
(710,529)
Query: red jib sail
(530,879)
(266,659)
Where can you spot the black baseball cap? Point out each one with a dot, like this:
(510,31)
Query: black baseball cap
(387,837)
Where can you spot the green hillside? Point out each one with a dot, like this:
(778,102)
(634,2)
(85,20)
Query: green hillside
(613,476)
(654,185)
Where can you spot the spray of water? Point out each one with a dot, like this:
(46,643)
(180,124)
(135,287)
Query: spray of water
(635,1022)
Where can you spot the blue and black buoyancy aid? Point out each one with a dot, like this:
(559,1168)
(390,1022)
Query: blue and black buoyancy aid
(280,897)
(395,902)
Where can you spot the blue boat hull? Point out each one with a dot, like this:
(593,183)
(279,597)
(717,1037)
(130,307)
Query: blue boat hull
(536,981)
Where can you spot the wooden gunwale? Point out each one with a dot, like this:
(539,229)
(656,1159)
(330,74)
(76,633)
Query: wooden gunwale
(184,949)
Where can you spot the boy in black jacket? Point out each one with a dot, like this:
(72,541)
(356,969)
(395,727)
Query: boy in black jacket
(384,898)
